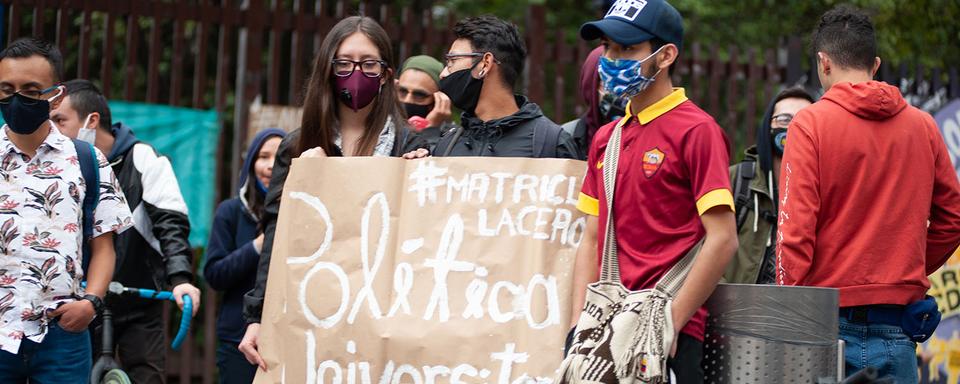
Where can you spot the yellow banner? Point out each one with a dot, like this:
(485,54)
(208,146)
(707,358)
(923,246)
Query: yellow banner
(942,352)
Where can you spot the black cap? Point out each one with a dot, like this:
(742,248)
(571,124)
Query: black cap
(630,22)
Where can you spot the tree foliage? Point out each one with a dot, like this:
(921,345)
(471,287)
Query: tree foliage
(918,31)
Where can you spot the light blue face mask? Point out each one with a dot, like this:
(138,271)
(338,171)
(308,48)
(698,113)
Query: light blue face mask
(625,78)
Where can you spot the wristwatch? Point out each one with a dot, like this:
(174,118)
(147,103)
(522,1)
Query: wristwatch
(96,301)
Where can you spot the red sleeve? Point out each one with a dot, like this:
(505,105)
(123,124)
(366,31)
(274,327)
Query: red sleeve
(589,202)
(799,205)
(943,234)
(708,163)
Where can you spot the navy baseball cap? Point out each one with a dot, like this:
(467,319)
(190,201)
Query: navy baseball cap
(630,22)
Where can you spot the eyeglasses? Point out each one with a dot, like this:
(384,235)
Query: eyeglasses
(782,120)
(418,95)
(452,57)
(370,68)
(33,96)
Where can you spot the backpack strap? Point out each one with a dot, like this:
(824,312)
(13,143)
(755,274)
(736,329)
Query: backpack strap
(746,171)
(545,140)
(90,170)
(448,141)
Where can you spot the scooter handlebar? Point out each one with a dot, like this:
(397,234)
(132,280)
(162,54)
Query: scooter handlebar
(185,317)
(184,323)
(116,288)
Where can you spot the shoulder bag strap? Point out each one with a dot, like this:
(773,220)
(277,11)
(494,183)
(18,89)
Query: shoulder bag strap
(609,265)
(451,140)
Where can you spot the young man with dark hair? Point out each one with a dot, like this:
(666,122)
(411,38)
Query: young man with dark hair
(870,201)
(44,243)
(482,68)
(672,188)
(156,255)
(755,194)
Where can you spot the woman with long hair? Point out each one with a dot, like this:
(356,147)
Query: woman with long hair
(350,109)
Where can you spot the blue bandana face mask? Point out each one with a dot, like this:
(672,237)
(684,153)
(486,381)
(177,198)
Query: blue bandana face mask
(779,137)
(624,78)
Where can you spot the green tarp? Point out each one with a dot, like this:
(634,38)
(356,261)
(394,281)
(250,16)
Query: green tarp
(189,138)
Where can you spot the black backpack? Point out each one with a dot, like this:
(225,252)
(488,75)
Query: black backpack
(746,172)
(90,170)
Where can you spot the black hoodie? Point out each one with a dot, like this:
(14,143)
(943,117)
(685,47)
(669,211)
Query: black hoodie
(157,254)
(231,265)
(510,136)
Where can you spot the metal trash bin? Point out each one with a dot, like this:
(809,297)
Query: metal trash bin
(771,334)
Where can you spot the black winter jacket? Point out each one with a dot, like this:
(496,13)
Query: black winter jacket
(157,253)
(510,136)
(231,265)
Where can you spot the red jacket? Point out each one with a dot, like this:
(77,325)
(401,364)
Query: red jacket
(863,175)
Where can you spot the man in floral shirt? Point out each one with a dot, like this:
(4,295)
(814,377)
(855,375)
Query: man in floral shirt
(44,311)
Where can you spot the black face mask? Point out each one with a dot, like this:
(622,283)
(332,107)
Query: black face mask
(463,89)
(23,114)
(778,136)
(417,109)
(612,108)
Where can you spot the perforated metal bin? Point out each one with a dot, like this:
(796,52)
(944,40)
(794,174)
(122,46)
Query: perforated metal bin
(771,334)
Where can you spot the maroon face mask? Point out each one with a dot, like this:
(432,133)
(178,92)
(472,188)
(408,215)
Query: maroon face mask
(357,90)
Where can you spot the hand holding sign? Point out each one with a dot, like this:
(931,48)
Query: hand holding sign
(389,283)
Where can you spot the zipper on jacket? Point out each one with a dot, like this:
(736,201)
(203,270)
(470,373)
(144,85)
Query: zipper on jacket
(486,138)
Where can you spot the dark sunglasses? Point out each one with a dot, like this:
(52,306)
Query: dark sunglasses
(418,95)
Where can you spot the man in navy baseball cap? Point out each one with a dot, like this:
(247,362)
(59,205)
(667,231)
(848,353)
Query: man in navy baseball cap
(673,184)
(630,22)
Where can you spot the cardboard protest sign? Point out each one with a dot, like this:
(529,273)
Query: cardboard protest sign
(448,270)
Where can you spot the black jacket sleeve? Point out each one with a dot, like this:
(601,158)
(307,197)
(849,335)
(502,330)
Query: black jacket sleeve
(567,147)
(227,266)
(253,300)
(167,211)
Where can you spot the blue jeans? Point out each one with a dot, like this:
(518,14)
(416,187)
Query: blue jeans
(884,347)
(62,357)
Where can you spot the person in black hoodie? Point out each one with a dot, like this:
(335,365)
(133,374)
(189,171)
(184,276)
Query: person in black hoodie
(482,67)
(157,255)
(754,182)
(350,109)
(234,250)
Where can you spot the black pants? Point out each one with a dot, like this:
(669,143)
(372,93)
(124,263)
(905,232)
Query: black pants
(140,350)
(687,362)
(234,368)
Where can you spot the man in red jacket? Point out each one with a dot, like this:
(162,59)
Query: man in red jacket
(870,201)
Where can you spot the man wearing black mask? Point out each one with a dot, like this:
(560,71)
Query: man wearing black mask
(482,67)
(755,193)
(49,242)
(418,88)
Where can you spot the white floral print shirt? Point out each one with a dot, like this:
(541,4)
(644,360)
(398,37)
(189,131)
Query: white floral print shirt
(41,209)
